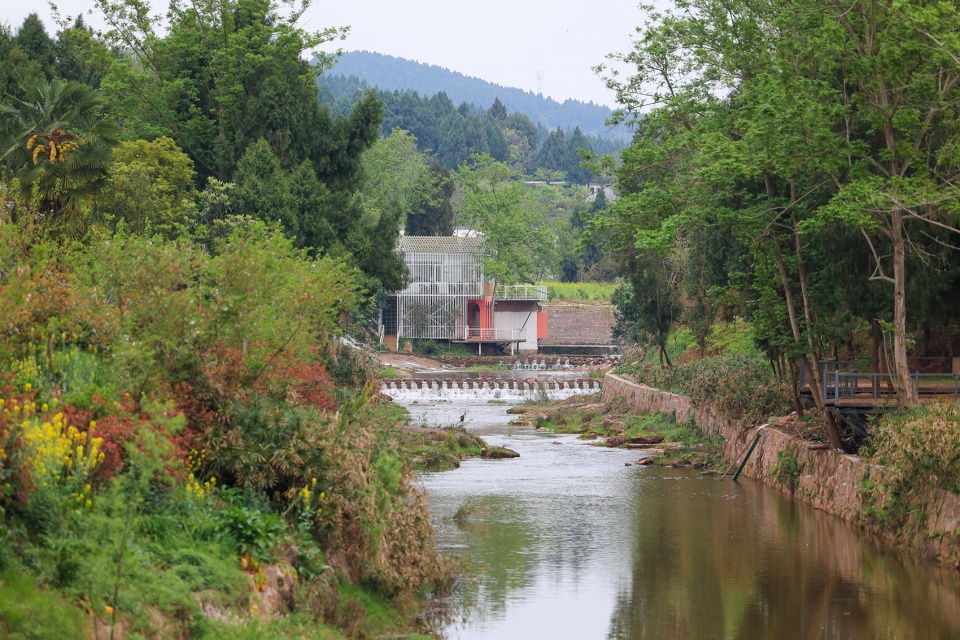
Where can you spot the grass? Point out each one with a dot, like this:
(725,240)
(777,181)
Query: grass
(480,506)
(430,348)
(587,292)
(389,373)
(28,613)
(728,338)
(699,448)
(442,449)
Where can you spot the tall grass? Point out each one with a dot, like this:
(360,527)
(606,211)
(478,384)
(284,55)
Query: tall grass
(587,292)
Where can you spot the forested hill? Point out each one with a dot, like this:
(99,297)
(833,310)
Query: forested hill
(390,73)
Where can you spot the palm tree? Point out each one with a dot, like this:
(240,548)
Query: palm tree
(57,144)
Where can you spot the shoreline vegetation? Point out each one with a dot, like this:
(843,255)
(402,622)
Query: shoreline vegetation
(906,493)
(658,437)
(187,448)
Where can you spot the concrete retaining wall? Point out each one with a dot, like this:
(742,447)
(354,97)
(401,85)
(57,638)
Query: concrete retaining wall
(829,480)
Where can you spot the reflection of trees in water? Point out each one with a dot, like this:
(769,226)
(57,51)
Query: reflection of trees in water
(514,541)
(750,564)
(500,538)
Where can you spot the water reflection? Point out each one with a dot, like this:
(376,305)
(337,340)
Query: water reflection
(717,560)
(567,542)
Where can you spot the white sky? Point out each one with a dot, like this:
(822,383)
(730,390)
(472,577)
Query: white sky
(502,41)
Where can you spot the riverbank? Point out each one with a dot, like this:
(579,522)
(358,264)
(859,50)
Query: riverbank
(844,485)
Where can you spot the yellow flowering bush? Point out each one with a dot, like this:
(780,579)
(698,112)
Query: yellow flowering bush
(60,456)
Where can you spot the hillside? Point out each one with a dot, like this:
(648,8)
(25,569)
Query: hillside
(390,73)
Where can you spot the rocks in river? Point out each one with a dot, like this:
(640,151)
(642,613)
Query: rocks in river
(615,441)
(498,453)
(643,462)
(612,425)
(646,439)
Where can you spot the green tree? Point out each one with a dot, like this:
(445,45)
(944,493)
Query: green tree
(80,55)
(57,143)
(263,189)
(518,243)
(396,177)
(17,70)
(225,74)
(436,218)
(150,186)
(32,38)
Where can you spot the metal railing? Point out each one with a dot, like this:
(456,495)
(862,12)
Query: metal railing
(522,292)
(494,335)
(838,385)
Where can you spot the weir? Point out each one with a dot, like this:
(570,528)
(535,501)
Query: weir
(508,389)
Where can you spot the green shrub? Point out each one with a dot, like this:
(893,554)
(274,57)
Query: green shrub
(30,613)
(741,387)
(920,450)
(787,470)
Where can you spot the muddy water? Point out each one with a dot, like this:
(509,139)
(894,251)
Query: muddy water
(568,542)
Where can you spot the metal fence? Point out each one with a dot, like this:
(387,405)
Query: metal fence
(844,385)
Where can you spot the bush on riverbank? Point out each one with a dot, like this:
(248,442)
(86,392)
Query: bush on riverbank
(740,387)
(172,434)
(920,451)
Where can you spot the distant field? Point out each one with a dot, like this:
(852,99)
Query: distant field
(590,292)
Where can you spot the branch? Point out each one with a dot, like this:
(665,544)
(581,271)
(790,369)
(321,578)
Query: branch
(878,272)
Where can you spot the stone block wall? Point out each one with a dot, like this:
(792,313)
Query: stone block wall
(579,325)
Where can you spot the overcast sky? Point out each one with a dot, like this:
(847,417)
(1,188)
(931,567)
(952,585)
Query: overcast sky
(503,41)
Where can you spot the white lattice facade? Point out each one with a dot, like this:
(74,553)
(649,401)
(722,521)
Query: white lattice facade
(444,274)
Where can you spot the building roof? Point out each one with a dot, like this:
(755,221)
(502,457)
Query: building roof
(438,244)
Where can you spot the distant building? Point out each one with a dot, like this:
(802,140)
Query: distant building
(608,191)
(449,299)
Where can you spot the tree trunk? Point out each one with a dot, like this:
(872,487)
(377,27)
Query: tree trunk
(808,311)
(906,392)
(830,426)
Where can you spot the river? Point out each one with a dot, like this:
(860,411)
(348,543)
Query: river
(566,541)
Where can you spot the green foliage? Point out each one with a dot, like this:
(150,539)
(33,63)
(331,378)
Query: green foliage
(920,451)
(518,243)
(442,449)
(56,143)
(30,613)
(741,387)
(588,292)
(251,532)
(150,187)
(786,469)
(389,373)
(753,199)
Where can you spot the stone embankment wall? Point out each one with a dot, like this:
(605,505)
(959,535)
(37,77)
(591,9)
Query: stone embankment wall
(579,325)
(829,480)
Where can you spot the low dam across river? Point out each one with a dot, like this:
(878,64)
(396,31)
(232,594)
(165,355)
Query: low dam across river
(507,389)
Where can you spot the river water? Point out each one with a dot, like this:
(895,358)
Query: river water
(566,541)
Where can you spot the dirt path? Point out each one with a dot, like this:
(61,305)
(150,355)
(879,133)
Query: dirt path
(409,363)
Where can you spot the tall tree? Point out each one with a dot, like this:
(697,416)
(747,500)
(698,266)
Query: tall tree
(36,44)
(518,243)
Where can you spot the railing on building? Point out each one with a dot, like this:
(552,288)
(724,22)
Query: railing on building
(521,292)
(475,334)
